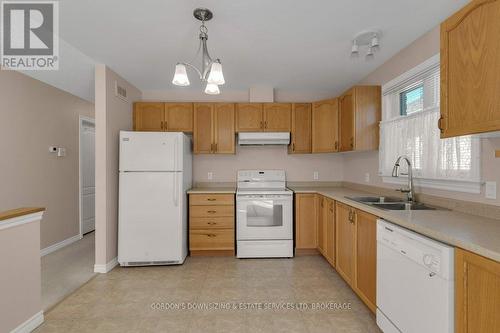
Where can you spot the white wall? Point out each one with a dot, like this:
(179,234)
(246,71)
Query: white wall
(34,116)
(298,167)
(112,114)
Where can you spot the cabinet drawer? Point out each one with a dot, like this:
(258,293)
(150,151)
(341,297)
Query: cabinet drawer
(211,223)
(211,211)
(211,199)
(211,239)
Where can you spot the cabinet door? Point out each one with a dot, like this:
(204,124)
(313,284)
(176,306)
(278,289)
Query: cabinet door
(329,216)
(277,117)
(179,117)
(367,116)
(366,257)
(306,221)
(477,293)
(203,128)
(325,126)
(321,226)
(249,117)
(470,70)
(346,122)
(301,129)
(345,240)
(224,128)
(149,116)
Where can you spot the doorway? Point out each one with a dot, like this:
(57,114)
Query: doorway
(87,175)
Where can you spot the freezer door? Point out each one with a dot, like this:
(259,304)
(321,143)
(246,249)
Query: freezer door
(151,151)
(151,226)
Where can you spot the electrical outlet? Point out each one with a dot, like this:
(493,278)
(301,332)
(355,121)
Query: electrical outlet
(316,175)
(367,177)
(210,175)
(490,191)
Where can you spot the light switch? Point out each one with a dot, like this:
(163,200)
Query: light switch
(367,177)
(316,175)
(210,175)
(61,152)
(490,191)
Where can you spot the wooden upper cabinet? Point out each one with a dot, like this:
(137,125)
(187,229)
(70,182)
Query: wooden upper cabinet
(203,128)
(345,242)
(306,221)
(470,70)
(366,257)
(301,129)
(224,134)
(214,128)
(477,293)
(149,116)
(359,118)
(277,117)
(179,117)
(346,121)
(325,126)
(249,117)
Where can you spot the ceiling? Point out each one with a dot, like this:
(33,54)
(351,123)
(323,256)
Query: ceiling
(292,45)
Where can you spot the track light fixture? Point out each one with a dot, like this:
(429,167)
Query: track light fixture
(369,40)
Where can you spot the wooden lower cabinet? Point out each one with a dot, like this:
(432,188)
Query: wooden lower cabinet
(366,257)
(211,224)
(321,225)
(306,222)
(477,293)
(345,234)
(329,222)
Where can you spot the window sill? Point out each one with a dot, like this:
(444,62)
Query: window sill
(440,184)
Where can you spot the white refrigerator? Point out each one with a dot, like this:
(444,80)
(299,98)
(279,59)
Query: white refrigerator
(155,173)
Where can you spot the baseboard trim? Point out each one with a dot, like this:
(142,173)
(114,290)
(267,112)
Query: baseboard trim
(60,245)
(212,253)
(30,324)
(306,252)
(100,268)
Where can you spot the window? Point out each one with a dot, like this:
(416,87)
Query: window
(410,112)
(411,100)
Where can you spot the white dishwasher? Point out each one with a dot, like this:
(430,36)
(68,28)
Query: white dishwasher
(415,282)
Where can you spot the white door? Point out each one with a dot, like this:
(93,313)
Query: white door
(151,151)
(264,218)
(150,221)
(87,174)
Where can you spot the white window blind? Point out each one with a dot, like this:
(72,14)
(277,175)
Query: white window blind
(410,115)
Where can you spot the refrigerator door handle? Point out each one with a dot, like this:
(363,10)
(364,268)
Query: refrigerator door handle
(176,185)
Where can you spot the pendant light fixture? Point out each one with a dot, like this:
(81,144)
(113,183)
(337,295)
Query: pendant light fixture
(211,70)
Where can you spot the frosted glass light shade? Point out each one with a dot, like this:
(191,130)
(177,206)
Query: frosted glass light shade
(216,76)
(212,89)
(180,76)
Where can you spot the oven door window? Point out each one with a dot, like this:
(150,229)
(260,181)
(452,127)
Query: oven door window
(264,213)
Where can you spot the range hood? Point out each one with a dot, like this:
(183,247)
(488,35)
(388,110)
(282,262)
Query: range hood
(263,138)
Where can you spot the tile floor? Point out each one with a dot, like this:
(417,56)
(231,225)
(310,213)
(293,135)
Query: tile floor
(121,301)
(65,270)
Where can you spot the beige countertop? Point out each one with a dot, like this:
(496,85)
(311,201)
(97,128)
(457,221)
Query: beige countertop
(473,233)
(211,190)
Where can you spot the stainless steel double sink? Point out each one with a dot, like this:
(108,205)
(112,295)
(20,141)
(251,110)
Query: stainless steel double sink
(391,203)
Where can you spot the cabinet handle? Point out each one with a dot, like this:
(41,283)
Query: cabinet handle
(265,124)
(216,147)
(212,150)
(211,235)
(336,145)
(211,199)
(211,211)
(165,125)
(293,146)
(211,223)
(262,125)
(352,142)
(161,124)
(440,124)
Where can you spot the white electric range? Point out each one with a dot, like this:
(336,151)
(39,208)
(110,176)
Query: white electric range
(264,220)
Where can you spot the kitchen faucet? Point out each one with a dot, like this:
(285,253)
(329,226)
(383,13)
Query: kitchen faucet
(410,194)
